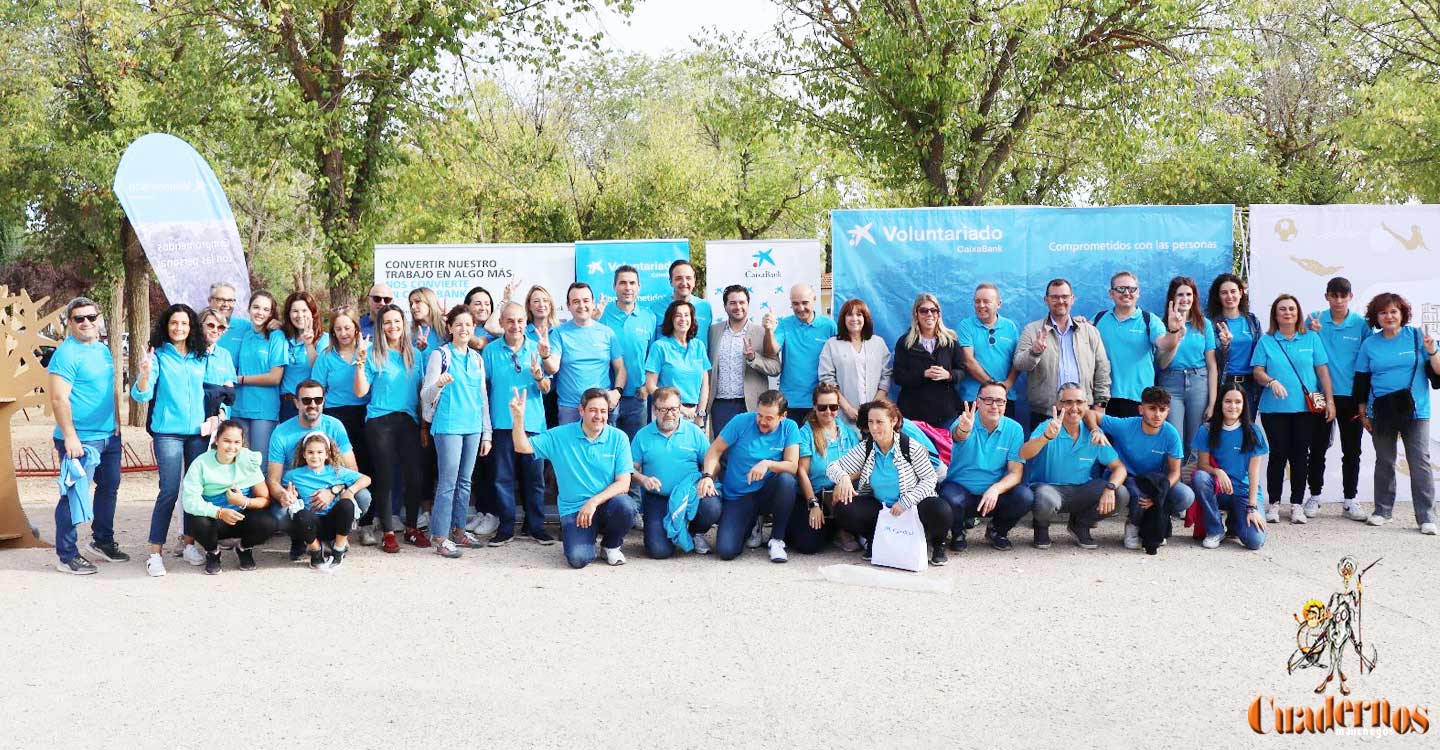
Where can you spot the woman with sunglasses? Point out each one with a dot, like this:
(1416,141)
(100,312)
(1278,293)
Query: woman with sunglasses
(260,357)
(219,367)
(304,340)
(678,360)
(388,374)
(927,367)
(856,361)
(823,438)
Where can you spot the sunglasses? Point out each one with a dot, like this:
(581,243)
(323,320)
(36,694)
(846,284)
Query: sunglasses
(1125,289)
(928,311)
(827,407)
(85,318)
(514,362)
(216,326)
(381,300)
(991,331)
(311,400)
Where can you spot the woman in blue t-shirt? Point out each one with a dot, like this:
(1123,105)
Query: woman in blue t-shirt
(454,388)
(679,361)
(389,374)
(1236,330)
(1389,363)
(260,362)
(335,369)
(1188,372)
(1227,476)
(320,496)
(823,438)
(304,340)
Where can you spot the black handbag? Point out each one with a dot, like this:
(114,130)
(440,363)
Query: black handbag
(1393,410)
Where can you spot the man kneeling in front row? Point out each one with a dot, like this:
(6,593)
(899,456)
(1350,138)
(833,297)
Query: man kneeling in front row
(1062,455)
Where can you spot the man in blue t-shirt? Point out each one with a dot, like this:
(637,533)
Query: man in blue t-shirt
(590,356)
(667,451)
(797,341)
(635,328)
(762,454)
(1150,447)
(1064,457)
(83,399)
(1133,338)
(987,347)
(280,458)
(1342,331)
(986,469)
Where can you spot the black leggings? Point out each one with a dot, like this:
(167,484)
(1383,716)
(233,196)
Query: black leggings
(1289,434)
(353,417)
(395,440)
(255,528)
(306,526)
(860,514)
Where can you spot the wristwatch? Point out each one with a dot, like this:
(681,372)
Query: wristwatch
(814,502)
(707,475)
(1111,486)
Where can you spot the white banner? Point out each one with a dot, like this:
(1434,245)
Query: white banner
(768,268)
(452,270)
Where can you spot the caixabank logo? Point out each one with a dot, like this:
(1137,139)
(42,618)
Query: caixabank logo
(1329,639)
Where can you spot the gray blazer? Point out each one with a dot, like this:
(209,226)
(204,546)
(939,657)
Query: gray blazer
(837,367)
(758,371)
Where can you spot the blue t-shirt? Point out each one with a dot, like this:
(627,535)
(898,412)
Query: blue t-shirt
(259,354)
(846,437)
(234,334)
(1342,346)
(1242,346)
(177,386)
(1391,362)
(669,459)
(427,339)
(297,362)
(1066,461)
(748,446)
(288,434)
(1229,458)
(585,356)
(992,346)
(463,407)
(680,365)
(984,457)
(636,330)
(884,476)
(1306,352)
(703,315)
(308,481)
(507,370)
(90,372)
(583,467)
(1130,345)
(1190,354)
(220,367)
(395,387)
(1142,453)
(800,344)
(338,377)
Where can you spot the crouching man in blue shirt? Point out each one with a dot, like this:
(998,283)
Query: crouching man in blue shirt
(1063,456)
(1149,445)
(762,454)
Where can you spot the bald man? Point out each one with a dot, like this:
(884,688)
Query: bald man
(380,296)
(797,341)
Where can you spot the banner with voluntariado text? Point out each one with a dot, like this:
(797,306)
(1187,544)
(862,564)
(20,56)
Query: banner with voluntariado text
(767,268)
(453,270)
(596,261)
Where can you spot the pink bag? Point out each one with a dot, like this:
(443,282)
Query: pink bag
(940,437)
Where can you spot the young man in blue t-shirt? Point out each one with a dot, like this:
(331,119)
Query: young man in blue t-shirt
(1149,446)
(1342,331)
(762,450)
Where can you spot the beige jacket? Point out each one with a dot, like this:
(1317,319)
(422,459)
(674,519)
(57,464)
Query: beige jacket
(1044,368)
(758,371)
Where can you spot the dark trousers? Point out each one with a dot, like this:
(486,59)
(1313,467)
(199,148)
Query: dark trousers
(353,418)
(776,497)
(1347,413)
(1289,434)
(482,486)
(255,528)
(1009,508)
(724,410)
(860,515)
(1121,408)
(655,507)
(395,439)
(1252,392)
(307,525)
(611,521)
(519,480)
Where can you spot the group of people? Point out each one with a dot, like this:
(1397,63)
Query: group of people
(279,420)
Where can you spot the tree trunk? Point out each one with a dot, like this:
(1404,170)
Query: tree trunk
(137,307)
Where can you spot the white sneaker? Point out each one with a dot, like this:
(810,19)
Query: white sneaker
(472,519)
(423,521)
(1297,514)
(757,534)
(1376,519)
(193,555)
(777,551)
(367,536)
(1428,528)
(487,524)
(1354,512)
(1272,513)
(1132,536)
(615,556)
(155,565)
(702,545)
(1312,507)
(1212,542)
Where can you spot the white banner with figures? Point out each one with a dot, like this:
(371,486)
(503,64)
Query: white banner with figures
(452,270)
(768,268)
(1297,249)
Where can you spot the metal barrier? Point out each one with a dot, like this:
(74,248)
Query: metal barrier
(30,463)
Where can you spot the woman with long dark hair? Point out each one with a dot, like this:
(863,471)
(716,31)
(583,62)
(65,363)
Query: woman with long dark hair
(856,361)
(1236,331)
(304,340)
(1188,371)
(677,359)
(1227,476)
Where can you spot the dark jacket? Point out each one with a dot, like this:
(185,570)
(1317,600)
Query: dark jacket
(1154,521)
(934,402)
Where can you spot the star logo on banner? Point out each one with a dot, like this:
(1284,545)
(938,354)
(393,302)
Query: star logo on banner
(595,268)
(751,290)
(763,257)
(779,290)
(860,233)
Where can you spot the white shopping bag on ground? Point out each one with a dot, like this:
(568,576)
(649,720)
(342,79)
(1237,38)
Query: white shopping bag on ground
(899,541)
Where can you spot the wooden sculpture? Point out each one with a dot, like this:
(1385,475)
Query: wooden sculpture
(22,385)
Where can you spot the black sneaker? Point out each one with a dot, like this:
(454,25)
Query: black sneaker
(337,556)
(297,551)
(317,559)
(865,550)
(77,566)
(543,538)
(938,556)
(1042,537)
(958,544)
(247,558)
(212,563)
(1081,532)
(499,540)
(107,551)
(971,522)
(997,540)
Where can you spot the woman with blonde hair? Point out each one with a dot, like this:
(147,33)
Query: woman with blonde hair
(427,324)
(388,374)
(927,367)
(542,320)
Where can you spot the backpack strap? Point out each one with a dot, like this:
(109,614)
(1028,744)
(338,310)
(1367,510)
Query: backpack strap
(1099,316)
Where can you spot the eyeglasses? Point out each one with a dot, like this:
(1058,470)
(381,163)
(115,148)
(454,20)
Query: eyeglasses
(85,318)
(377,299)
(827,407)
(927,311)
(1125,289)
(311,400)
(212,325)
(223,300)
(992,401)
(1059,297)
(668,409)
(1073,402)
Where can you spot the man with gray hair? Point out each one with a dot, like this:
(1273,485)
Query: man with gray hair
(87,429)
(797,341)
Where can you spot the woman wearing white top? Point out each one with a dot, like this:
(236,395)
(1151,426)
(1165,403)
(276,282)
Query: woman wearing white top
(856,360)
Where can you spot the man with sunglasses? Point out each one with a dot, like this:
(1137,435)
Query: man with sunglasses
(87,418)
(310,403)
(1132,338)
(987,347)
(380,296)
(1062,349)
(223,297)
(514,364)
(1062,456)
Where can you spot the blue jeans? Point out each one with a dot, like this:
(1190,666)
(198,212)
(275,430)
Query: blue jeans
(724,410)
(521,476)
(1235,508)
(454,462)
(776,497)
(257,434)
(173,455)
(104,483)
(656,507)
(631,415)
(1177,500)
(1009,508)
(1189,390)
(611,521)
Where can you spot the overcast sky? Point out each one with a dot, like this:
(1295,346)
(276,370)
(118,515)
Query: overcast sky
(659,26)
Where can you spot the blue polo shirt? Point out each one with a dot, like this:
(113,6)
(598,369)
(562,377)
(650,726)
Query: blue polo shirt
(583,467)
(220,367)
(1391,363)
(703,314)
(669,459)
(800,344)
(995,357)
(748,446)
(1142,453)
(234,333)
(1306,352)
(1190,354)
(90,372)
(463,408)
(1342,346)
(288,434)
(984,457)
(338,377)
(308,481)
(585,356)
(1229,457)
(297,362)
(1067,461)
(501,363)
(680,365)
(259,353)
(1242,347)
(846,437)
(177,385)
(884,476)
(636,330)
(394,388)
(1130,345)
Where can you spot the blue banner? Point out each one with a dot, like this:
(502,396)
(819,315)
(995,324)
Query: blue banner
(886,257)
(182,218)
(595,264)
